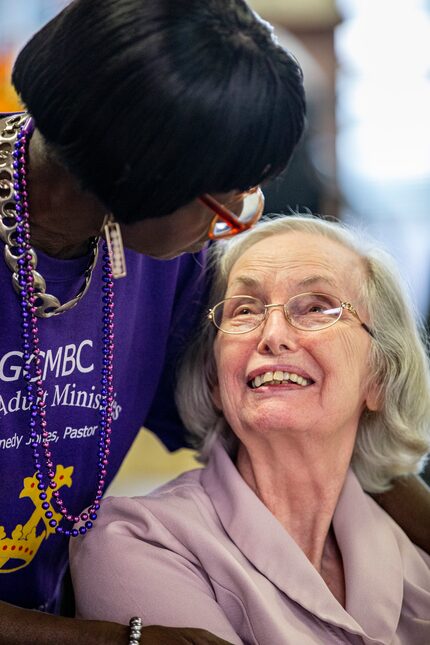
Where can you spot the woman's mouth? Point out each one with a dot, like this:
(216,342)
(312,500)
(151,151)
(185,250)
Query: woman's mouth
(279,377)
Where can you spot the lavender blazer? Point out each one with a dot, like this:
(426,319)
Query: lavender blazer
(203,551)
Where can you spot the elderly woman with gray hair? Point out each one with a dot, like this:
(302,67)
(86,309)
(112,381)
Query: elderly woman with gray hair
(308,388)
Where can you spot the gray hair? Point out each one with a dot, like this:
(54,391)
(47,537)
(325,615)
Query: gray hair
(392,441)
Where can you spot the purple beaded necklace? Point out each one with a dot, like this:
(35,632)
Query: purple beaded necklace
(42,456)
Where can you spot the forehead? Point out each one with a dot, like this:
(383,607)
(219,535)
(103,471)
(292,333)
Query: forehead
(298,258)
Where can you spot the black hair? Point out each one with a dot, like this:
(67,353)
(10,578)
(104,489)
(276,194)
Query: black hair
(150,103)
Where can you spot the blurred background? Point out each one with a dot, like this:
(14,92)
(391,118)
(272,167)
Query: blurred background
(366,155)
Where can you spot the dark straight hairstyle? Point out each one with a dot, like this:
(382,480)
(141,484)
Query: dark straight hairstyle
(150,103)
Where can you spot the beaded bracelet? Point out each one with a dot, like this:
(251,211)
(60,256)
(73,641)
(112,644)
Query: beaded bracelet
(135,624)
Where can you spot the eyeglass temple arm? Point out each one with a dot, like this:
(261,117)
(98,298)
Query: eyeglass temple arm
(349,307)
(218,208)
(369,331)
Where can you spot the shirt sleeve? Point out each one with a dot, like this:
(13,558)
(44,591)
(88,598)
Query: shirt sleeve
(131,565)
(190,303)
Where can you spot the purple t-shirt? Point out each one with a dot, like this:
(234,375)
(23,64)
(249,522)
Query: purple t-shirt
(156,307)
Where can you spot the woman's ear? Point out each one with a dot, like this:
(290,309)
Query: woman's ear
(374,398)
(216,397)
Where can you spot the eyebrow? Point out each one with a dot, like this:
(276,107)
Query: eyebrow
(312,279)
(246,281)
(309,281)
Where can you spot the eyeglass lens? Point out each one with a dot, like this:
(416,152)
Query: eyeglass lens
(307,311)
(252,207)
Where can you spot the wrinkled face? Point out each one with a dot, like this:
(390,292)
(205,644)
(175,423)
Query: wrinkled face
(324,373)
(185,230)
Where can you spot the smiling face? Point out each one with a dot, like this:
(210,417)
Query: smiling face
(280,379)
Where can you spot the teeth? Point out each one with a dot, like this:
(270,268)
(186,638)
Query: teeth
(278,377)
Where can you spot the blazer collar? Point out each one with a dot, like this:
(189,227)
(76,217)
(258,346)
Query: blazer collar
(367,544)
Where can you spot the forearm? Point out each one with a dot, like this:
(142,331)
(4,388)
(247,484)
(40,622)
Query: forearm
(408,503)
(27,627)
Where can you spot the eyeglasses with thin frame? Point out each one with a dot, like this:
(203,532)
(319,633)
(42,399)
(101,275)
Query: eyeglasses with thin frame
(310,311)
(226,223)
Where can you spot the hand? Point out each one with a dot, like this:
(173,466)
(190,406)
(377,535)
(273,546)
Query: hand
(156,634)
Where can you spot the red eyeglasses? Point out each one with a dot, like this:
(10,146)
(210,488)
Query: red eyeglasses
(226,223)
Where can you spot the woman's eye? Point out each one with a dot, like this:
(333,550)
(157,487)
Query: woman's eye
(242,311)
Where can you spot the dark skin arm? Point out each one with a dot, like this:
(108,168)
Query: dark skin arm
(408,503)
(28,627)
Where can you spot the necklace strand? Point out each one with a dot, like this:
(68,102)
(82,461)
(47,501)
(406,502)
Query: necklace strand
(42,456)
(47,305)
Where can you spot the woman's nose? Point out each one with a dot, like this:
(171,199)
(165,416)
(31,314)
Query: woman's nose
(277,335)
